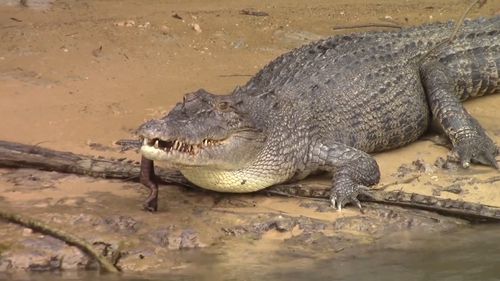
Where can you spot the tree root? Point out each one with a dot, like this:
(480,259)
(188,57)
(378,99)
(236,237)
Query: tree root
(69,239)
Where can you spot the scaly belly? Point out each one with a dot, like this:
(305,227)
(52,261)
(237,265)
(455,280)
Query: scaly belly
(237,181)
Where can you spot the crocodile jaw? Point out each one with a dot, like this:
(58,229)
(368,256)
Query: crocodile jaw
(153,153)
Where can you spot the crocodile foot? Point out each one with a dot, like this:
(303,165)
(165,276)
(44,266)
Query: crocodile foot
(477,149)
(348,192)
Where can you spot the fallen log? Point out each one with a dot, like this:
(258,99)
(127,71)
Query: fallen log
(16,155)
(474,212)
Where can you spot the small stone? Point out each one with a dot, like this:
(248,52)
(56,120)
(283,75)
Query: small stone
(97,52)
(454,188)
(177,16)
(129,23)
(27,231)
(145,25)
(126,23)
(165,29)
(196,27)
(238,44)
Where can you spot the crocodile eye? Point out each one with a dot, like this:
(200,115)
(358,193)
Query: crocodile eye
(223,105)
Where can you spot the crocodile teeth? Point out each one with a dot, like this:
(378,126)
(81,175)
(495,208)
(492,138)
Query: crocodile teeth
(179,146)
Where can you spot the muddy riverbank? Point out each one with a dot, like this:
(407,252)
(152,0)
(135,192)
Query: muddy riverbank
(77,76)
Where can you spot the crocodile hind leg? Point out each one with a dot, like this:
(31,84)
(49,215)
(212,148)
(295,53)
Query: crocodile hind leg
(148,179)
(469,139)
(353,171)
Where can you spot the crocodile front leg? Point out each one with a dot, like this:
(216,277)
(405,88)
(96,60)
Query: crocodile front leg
(469,139)
(353,171)
(148,179)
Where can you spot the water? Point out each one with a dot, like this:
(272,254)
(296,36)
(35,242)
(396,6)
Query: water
(468,254)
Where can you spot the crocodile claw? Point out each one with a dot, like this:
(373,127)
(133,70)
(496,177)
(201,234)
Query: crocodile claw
(479,150)
(347,193)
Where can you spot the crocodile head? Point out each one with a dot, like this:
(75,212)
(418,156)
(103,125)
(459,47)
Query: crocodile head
(204,130)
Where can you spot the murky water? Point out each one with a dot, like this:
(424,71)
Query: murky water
(469,254)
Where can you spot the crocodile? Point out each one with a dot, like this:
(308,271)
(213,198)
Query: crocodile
(325,106)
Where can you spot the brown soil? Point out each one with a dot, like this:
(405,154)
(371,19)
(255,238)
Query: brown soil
(79,75)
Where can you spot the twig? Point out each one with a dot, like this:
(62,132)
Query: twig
(403,181)
(368,25)
(458,25)
(249,12)
(235,75)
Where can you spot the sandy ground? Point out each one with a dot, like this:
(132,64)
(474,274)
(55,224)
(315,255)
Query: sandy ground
(74,74)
